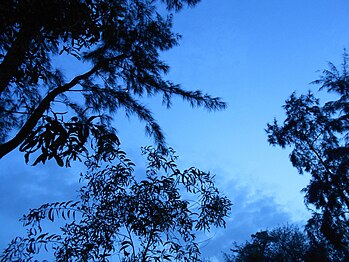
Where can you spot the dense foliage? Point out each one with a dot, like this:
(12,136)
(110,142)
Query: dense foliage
(120,216)
(52,112)
(318,134)
(287,243)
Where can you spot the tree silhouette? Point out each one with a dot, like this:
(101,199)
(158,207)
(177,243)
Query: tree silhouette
(117,41)
(318,134)
(286,243)
(51,115)
(120,215)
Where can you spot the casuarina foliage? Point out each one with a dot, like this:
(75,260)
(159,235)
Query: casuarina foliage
(318,135)
(53,111)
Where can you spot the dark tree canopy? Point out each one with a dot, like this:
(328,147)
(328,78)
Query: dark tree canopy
(117,40)
(286,244)
(120,217)
(318,135)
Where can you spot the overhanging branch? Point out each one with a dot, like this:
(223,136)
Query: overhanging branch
(32,121)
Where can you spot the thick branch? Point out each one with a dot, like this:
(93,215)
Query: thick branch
(39,111)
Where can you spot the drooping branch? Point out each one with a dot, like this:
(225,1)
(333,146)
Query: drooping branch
(32,121)
(195,98)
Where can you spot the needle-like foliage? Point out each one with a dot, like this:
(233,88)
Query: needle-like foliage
(318,135)
(116,42)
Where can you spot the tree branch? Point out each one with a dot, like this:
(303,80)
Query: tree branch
(132,243)
(144,256)
(32,121)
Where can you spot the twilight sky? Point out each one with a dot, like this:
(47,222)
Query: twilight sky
(253,54)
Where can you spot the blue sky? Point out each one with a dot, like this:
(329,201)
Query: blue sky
(251,53)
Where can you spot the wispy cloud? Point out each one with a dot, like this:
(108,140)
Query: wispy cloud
(24,187)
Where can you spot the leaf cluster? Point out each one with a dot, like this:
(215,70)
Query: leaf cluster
(67,141)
